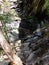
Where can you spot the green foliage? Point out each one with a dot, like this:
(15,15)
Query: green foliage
(1,51)
(0,7)
(46,7)
(48,10)
(7,4)
(6,17)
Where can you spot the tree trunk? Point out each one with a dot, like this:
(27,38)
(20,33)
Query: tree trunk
(15,60)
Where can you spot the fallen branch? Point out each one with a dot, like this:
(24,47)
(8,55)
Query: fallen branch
(15,60)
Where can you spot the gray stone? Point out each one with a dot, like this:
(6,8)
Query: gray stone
(5,62)
(14,24)
(12,38)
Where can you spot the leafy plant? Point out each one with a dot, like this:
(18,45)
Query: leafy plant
(6,17)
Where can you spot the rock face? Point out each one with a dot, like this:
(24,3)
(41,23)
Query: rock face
(34,49)
(35,53)
(13,32)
